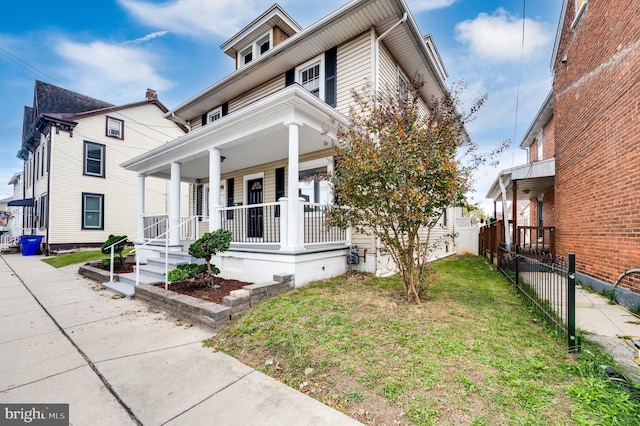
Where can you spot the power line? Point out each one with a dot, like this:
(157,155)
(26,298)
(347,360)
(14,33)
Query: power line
(515,126)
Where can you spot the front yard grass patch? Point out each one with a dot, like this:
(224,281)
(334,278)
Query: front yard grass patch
(81,256)
(472,354)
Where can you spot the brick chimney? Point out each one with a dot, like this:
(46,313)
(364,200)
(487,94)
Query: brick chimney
(151,95)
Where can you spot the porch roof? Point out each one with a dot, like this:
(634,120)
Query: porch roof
(533,179)
(253,135)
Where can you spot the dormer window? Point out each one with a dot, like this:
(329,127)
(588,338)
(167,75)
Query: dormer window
(255,50)
(264,44)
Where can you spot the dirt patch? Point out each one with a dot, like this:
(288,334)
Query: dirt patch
(199,287)
(117,268)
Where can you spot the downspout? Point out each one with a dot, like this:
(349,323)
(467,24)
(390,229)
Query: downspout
(377,50)
(376,58)
(48,205)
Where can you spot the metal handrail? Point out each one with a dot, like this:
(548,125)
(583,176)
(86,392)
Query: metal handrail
(166,251)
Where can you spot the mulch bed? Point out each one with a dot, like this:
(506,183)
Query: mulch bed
(196,288)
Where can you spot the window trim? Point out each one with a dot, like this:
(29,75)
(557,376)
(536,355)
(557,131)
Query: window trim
(100,227)
(326,162)
(103,150)
(402,77)
(580,10)
(116,120)
(318,60)
(254,49)
(212,113)
(42,211)
(539,146)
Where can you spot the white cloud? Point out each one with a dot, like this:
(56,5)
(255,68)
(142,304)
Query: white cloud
(113,73)
(146,38)
(197,18)
(417,6)
(498,37)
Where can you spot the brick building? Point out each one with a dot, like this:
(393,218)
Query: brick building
(587,137)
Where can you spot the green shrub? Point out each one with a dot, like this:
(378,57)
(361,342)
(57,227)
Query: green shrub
(187,270)
(120,242)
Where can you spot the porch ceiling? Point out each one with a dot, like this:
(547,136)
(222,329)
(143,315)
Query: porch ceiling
(532,180)
(255,135)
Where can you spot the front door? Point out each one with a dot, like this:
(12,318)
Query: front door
(254,214)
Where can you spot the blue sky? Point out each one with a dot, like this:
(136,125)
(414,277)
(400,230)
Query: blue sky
(116,49)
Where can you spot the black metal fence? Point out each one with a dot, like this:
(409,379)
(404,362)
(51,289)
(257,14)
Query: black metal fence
(548,284)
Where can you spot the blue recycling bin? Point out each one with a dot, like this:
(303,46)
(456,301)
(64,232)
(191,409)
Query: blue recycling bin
(30,244)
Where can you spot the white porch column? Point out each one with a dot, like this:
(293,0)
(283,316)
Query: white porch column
(141,191)
(293,214)
(214,189)
(174,206)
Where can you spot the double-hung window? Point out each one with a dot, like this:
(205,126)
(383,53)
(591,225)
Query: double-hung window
(115,128)
(94,159)
(311,76)
(92,211)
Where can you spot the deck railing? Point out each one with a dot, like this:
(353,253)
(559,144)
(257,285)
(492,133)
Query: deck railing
(317,225)
(536,240)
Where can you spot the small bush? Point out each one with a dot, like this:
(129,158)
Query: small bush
(188,270)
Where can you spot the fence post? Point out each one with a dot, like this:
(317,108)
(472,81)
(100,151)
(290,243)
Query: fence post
(516,268)
(573,344)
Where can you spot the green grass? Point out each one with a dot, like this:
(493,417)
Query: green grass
(470,354)
(77,257)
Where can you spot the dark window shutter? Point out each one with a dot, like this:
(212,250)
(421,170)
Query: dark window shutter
(204,119)
(330,62)
(336,191)
(199,189)
(279,188)
(225,108)
(290,77)
(230,185)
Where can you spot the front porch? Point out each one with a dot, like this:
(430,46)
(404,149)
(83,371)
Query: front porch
(259,235)
(260,172)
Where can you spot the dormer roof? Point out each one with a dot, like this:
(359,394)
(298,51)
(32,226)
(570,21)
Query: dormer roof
(274,17)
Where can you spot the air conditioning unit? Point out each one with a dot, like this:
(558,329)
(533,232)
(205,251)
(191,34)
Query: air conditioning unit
(114,133)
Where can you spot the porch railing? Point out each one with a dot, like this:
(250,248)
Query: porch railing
(13,236)
(317,225)
(156,225)
(532,240)
(253,224)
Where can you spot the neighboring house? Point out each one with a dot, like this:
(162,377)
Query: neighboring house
(75,192)
(16,216)
(257,152)
(582,178)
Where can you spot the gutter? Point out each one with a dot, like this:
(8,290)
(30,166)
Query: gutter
(173,117)
(377,49)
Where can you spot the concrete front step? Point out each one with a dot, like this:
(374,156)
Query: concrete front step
(119,287)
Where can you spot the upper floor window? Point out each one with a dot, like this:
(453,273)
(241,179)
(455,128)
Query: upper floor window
(581,5)
(214,115)
(539,144)
(403,85)
(310,76)
(93,159)
(115,128)
(255,50)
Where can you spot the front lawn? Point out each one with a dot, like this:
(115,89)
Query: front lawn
(472,354)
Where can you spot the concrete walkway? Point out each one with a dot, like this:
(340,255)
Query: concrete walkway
(606,324)
(116,362)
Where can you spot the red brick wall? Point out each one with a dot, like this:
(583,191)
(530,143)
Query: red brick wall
(597,140)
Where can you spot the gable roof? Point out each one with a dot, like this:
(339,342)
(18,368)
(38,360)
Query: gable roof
(273,17)
(358,16)
(48,98)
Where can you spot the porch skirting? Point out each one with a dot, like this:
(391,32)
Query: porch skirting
(255,265)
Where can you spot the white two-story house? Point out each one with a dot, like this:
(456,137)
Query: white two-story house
(75,192)
(257,152)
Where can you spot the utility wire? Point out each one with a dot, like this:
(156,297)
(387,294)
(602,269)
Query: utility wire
(515,125)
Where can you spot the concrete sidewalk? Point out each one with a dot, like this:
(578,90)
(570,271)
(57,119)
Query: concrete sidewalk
(606,324)
(116,362)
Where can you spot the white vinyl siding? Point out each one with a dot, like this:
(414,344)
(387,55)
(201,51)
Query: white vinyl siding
(257,93)
(353,69)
